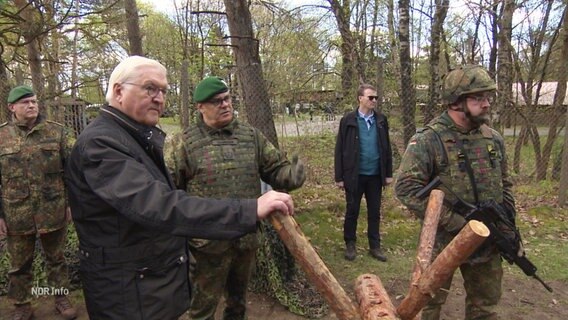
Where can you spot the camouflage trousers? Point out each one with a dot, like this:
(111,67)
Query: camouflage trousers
(21,249)
(216,274)
(482,283)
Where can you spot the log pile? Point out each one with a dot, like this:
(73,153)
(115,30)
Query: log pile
(373,300)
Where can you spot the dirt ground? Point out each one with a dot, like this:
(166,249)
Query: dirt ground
(523,299)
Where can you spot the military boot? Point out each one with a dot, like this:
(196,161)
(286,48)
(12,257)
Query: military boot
(350,251)
(64,307)
(23,312)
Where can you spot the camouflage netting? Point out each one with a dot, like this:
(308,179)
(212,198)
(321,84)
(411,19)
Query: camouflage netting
(277,276)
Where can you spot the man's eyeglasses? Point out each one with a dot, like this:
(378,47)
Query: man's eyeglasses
(373,98)
(482,97)
(150,89)
(217,102)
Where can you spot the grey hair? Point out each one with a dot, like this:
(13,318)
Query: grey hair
(127,70)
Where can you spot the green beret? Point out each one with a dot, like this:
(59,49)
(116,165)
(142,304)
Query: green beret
(209,87)
(20,92)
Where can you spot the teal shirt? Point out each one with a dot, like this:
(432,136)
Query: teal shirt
(368,146)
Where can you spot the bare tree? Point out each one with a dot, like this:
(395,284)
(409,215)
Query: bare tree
(407,91)
(249,68)
(133,28)
(342,13)
(4,88)
(183,18)
(435,39)
(504,105)
(31,29)
(558,101)
(537,56)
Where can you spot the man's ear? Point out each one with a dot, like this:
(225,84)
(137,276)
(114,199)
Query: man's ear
(12,107)
(117,90)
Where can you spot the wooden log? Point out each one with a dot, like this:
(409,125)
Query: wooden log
(456,252)
(427,236)
(316,270)
(374,301)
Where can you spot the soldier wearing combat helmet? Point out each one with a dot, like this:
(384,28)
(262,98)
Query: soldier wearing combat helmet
(32,154)
(470,159)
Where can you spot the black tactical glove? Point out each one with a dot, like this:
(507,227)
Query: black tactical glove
(510,211)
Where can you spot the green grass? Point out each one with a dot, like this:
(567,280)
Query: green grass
(321,208)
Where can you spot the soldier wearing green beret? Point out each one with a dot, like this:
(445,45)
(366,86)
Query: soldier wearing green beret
(32,154)
(470,159)
(220,157)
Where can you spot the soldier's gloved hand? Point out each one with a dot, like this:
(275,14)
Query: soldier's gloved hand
(297,172)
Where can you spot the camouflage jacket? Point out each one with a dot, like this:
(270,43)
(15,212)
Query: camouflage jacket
(31,170)
(227,163)
(434,151)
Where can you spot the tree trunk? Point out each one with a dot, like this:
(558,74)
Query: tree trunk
(374,301)
(563,186)
(435,36)
(315,269)
(133,28)
(4,89)
(75,58)
(393,54)
(446,263)
(427,236)
(558,107)
(407,91)
(184,88)
(342,15)
(504,105)
(558,98)
(30,27)
(380,81)
(249,69)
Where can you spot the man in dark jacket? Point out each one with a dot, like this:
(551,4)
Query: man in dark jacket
(363,165)
(130,219)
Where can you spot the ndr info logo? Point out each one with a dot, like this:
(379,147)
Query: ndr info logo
(49,291)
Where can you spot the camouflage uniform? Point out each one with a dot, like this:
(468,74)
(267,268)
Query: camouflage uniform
(225,163)
(34,200)
(435,151)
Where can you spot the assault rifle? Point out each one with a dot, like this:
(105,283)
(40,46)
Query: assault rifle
(504,234)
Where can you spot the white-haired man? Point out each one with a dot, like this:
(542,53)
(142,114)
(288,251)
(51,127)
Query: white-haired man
(130,219)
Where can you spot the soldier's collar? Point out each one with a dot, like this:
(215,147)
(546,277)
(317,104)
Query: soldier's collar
(23,125)
(226,130)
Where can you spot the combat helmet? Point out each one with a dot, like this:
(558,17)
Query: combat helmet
(465,80)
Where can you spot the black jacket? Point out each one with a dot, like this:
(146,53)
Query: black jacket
(347,149)
(132,222)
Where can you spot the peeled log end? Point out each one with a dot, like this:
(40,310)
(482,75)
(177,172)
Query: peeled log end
(479,228)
